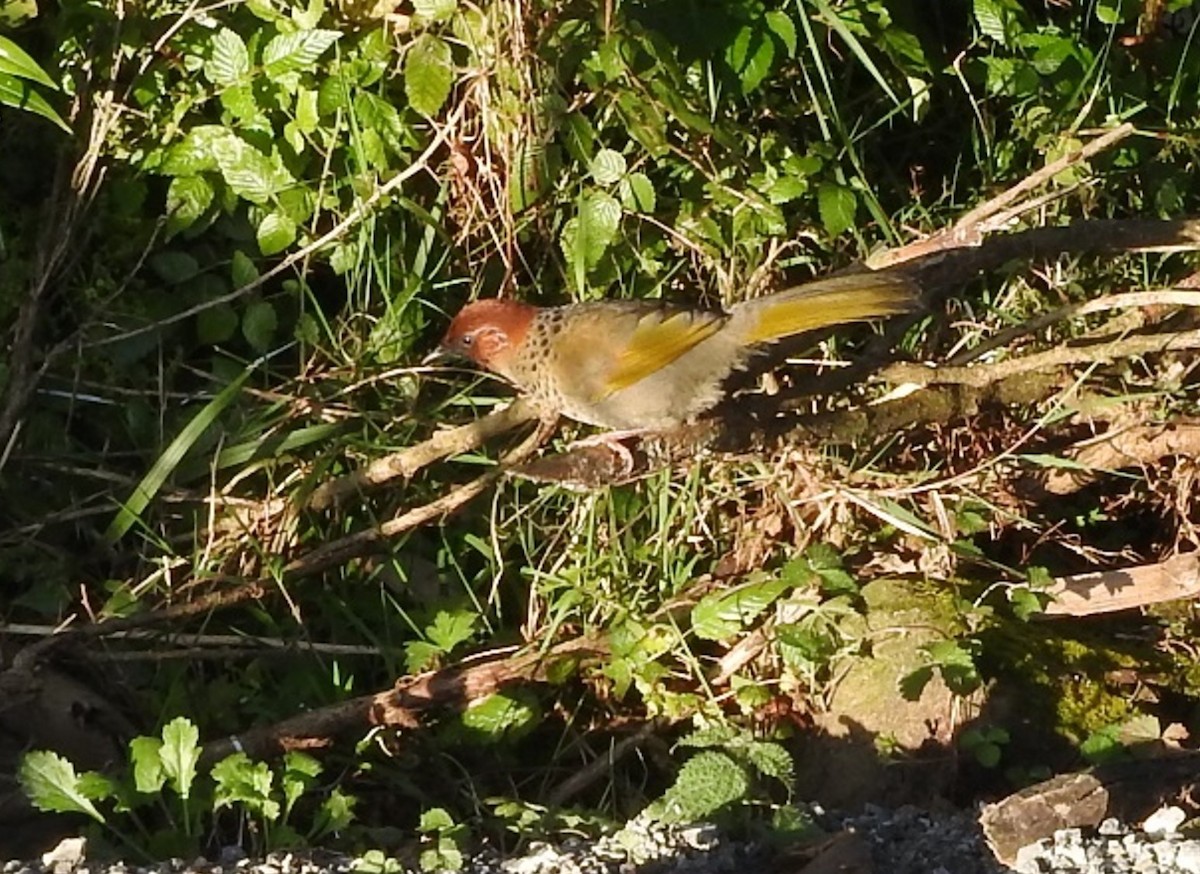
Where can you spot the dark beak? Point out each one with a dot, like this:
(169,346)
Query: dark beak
(440,355)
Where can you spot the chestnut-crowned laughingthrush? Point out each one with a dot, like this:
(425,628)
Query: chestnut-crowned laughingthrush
(644,365)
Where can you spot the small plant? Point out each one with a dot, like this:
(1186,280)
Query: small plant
(727,771)
(985,744)
(442,836)
(163,773)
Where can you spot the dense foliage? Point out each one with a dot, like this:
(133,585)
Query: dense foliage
(219,282)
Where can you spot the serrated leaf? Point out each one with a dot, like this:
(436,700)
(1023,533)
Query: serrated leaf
(228,59)
(783,27)
(637,193)
(450,628)
(586,238)
(180,752)
(50,782)
(428,74)
(194,153)
(838,206)
(275,233)
(770,759)
(15,61)
(750,56)
(259,323)
(607,167)
(19,94)
(188,198)
(707,782)
(144,754)
(247,171)
(289,52)
(240,781)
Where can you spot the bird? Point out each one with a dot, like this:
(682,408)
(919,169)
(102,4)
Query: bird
(643,366)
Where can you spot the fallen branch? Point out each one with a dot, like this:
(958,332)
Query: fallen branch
(403,706)
(1125,589)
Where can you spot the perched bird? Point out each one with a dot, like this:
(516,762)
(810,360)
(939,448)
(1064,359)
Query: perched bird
(648,366)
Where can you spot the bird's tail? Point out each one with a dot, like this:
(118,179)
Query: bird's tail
(854,297)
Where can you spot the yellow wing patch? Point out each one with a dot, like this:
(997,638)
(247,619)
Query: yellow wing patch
(656,342)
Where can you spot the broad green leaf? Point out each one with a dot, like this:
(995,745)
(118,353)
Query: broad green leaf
(275,233)
(300,772)
(259,324)
(838,206)
(180,753)
(216,324)
(50,782)
(19,94)
(188,198)
(228,58)
(722,614)
(501,716)
(750,57)
(335,813)
(607,167)
(173,266)
(16,62)
(194,153)
(289,52)
(428,74)
(247,171)
(586,238)
(150,484)
(241,781)
(450,628)
(770,759)
(307,114)
(783,27)
(145,754)
(435,10)
(241,269)
(435,819)
(637,193)
(707,782)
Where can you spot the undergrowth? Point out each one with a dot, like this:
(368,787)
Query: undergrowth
(261,222)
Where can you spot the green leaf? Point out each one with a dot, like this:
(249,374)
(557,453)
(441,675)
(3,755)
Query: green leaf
(300,772)
(174,267)
(783,27)
(16,62)
(179,753)
(335,813)
(721,615)
(308,116)
(586,238)
(18,94)
(450,628)
(998,19)
(241,269)
(188,198)
(838,206)
(750,56)
(228,59)
(435,10)
(170,458)
(607,167)
(216,324)
(240,781)
(247,171)
(770,759)
(275,233)
(637,193)
(435,819)
(501,716)
(259,324)
(194,153)
(52,785)
(707,782)
(289,52)
(428,74)
(146,756)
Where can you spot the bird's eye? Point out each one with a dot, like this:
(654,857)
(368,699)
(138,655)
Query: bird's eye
(468,339)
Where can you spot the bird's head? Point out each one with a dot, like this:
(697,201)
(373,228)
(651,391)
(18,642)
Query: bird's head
(489,332)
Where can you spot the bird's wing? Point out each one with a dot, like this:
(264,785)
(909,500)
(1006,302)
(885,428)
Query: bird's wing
(659,338)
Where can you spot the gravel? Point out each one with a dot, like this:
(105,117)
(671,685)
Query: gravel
(905,840)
